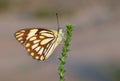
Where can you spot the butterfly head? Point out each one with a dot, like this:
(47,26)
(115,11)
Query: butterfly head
(60,31)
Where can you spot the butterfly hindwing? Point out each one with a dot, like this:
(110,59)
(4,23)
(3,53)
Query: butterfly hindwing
(39,42)
(39,45)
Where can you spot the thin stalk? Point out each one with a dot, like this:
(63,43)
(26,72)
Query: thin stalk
(65,49)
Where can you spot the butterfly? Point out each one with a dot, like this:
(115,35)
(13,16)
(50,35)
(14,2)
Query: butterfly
(39,42)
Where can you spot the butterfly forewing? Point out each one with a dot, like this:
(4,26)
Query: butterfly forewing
(39,42)
(23,35)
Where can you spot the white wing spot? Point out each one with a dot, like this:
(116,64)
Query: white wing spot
(42,57)
(32,54)
(36,57)
(22,31)
(47,34)
(19,38)
(28,50)
(41,50)
(43,31)
(31,33)
(37,49)
(46,41)
(41,37)
(27,45)
(36,41)
(35,45)
(19,35)
(21,41)
(47,45)
(32,38)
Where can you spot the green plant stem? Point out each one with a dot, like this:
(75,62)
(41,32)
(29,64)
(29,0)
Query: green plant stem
(65,49)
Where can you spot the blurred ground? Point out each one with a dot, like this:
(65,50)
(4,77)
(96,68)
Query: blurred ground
(95,46)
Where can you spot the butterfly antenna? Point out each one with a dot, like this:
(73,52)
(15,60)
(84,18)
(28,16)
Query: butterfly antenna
(57,21)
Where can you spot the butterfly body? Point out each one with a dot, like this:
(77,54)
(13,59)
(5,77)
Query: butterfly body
(39,42)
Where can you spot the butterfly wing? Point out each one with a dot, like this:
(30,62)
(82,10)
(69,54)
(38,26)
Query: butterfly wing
(40,43)
(23,35)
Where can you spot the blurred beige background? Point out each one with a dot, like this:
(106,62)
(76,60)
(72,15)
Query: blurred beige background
(95,45)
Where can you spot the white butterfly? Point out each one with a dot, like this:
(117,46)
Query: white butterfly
(39,42)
